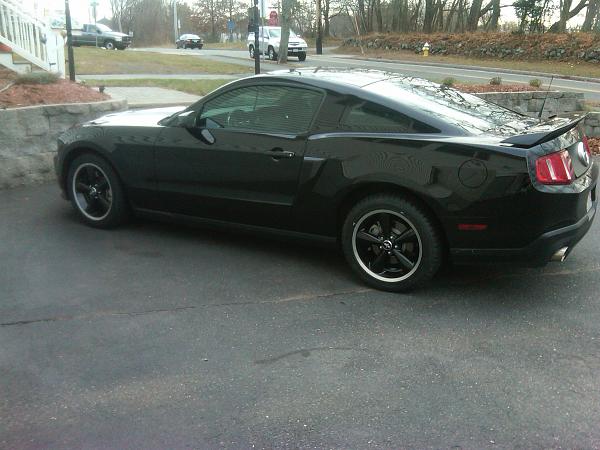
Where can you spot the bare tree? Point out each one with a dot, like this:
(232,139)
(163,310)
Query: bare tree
(285,31)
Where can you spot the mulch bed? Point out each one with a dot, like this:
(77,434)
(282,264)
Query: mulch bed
(594,144)
(63,91)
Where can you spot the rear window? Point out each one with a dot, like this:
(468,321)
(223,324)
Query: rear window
(372,117)
(465,111)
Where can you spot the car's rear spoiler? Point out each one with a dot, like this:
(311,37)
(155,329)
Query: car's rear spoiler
(532,139)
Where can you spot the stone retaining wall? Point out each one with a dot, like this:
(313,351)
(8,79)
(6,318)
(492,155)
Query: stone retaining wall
(28,137)
(530,102)
(557,103)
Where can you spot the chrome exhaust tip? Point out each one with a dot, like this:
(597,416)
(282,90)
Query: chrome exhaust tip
(560,255)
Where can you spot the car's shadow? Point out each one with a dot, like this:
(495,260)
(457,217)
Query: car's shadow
(497,284)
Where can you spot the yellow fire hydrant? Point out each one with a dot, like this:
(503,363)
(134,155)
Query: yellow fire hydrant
(426,49)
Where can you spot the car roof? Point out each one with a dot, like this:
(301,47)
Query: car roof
(350,77)
(423,100)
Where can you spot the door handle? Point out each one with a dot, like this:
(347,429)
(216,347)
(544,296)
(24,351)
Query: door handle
(279,153)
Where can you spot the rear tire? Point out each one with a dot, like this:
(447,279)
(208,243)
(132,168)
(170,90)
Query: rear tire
(272,54)
(251,51)
(391,242)
(96,192)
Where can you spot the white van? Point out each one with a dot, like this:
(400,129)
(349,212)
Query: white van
(269,43)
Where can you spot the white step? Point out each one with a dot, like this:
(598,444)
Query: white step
(6,60)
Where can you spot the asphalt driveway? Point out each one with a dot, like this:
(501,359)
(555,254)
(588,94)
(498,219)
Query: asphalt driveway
(158,336)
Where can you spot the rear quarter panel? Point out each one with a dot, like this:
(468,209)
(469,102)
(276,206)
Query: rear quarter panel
(459,181)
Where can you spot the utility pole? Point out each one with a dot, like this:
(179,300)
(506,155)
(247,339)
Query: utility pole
(175,27)
(94,3)
(253,27)
(319,42)
(69,41)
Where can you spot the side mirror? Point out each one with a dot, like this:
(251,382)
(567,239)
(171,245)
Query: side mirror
(207,136)
(203,126)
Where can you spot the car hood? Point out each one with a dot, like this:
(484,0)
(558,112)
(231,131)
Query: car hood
(135,118)
(114,34)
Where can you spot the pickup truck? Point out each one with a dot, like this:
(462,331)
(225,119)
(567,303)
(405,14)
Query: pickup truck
(101,36)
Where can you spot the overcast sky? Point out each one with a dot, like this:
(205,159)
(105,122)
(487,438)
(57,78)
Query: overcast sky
(81,12)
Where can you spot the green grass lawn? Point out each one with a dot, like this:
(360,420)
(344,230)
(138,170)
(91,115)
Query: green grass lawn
(565,68)
(196,87)
(95,61)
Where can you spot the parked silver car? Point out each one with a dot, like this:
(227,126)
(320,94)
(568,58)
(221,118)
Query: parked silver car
(269,38)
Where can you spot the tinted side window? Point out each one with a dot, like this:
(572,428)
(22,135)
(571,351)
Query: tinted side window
(271,109)
(232,109)
(371,117)
(283,109)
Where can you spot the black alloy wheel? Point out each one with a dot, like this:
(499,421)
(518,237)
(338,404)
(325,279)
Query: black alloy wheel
(391,243)
(95,192)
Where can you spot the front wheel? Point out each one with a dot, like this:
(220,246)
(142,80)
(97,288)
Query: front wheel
(301,56)
(251,51)
(391,242)
(95,192)
(109,45)
(272,54)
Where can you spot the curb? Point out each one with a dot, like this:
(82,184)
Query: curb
(479,68)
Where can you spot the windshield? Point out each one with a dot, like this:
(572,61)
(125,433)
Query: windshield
(454,107)
(103,28)
(276,33)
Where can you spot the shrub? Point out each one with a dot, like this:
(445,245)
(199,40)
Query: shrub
(37,78)
(535,82)
(496,81)
(449,82)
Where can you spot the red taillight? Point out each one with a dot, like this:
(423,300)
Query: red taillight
(586,145)
(555,168)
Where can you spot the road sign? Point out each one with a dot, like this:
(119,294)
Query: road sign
(273,19)
(230,25)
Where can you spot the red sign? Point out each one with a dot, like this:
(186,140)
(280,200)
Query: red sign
(273,19)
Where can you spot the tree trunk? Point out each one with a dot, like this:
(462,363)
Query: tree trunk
(326,18)
(566,15)
(428,19)
(362,16)
(378,15)
(474,15)
(590,15)
(285,31)
(493,26)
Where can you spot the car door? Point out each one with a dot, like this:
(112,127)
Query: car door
(89,35)
(241,161)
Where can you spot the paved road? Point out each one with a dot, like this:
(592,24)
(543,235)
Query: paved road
(436,73)
(156,336)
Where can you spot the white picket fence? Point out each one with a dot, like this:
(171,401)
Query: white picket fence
(31,38)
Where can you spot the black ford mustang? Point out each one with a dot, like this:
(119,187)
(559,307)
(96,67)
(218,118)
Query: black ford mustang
(400,171)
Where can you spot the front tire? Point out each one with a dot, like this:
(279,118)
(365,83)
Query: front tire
(391,242)
(96,192)
(301,57)
(251,51)
(109,45)
(272,54)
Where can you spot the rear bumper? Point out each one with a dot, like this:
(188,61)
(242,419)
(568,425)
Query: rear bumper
(537,253)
